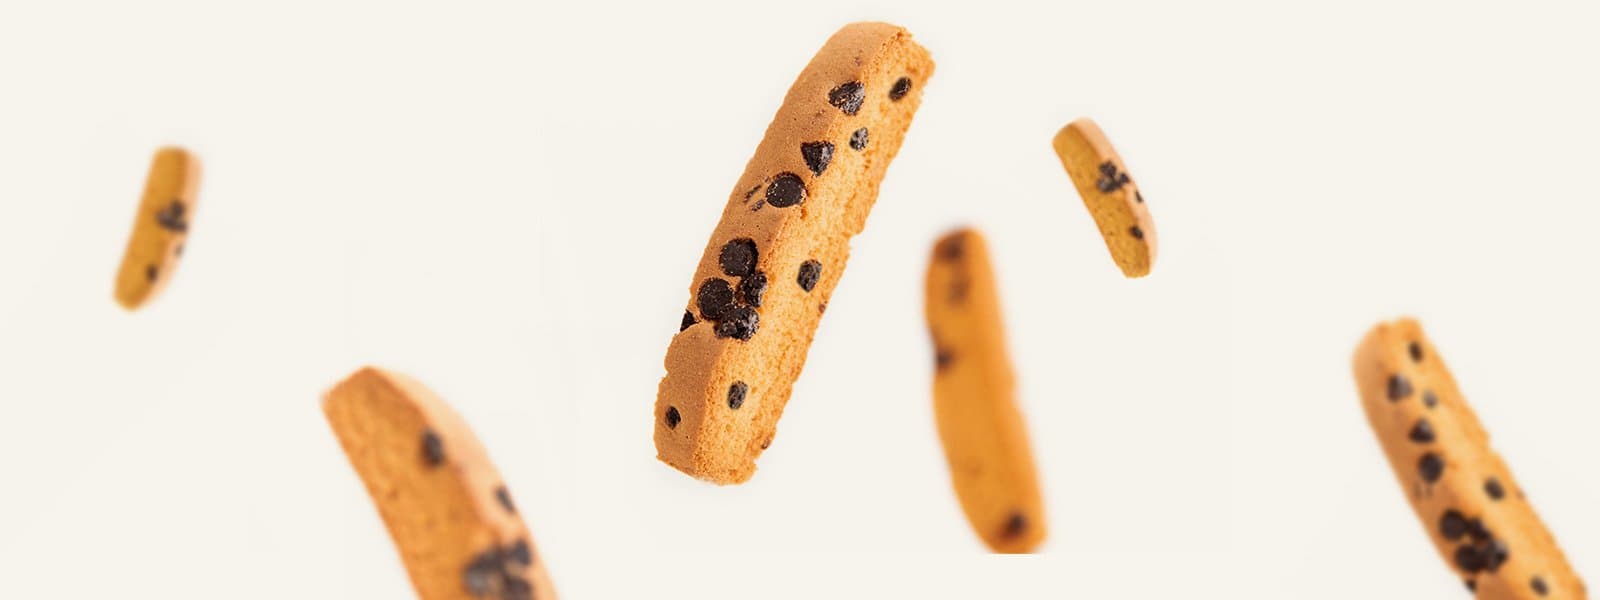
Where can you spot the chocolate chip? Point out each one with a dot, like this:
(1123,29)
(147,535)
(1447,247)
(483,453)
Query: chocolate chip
(520,553)
(1110,180)
(1493,489)
(952,248)
(736,393)
(1452,525)
(1015,525)
(1399,387)
(902,86)
(432,448)
(514,587)
(942,359)
(1476,531)
(1472,586)
(1137,233)
(1430,467)
(1496,553)
(810,272)
(504,496)
(1416,351)
(150,272)
(1537,583)
(673,418)
(1430,399)
(786,190)
(858,140)
(688,321)
(170,217)
(1138,196)
(1422,432)
(817,155)
(482,575)
(715,299)
(740,325)
(752,288)
(1470,559)
(848,97)
(738,257)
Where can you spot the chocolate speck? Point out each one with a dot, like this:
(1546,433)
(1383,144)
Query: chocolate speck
(1137,233)
(1493,488)
(520,553)
(817,156)
(738,257)
(736,394)
(673,418)
(902,86)
(1430,399)
(1415,350)
(504,496)
(1015,526)
(432,448)
(942,359)
(1452,525)
(1538,586)
(848,97)
(810,272)
(786,190)
(1430,467)
(150,273)
(1422,432)
(858,140)
(688,321)
(1399,387)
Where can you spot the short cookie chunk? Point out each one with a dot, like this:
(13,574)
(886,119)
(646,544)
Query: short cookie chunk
(445,505)
(1469,504)
(773,261)
(984,434)
(1110,194)
(159,228)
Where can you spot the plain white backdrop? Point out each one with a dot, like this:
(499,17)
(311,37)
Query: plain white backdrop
(506,200)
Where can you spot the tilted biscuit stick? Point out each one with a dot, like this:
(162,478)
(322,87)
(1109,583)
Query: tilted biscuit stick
(974,398)
(444,502)
(1110,194)
(772,263)
(159,228)
(1473,510)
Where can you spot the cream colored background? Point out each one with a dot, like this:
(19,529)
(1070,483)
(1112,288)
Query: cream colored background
(506,199)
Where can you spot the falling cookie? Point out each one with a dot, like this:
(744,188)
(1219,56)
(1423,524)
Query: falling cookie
(1110,194)
(974,398)
(773,261)
(1473,510)
(159,228)
(446,507)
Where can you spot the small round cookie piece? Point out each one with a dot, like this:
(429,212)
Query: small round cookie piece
(1462,492)
(159,228)
(984,434)
(443,501)
(1110,194)
(773,261)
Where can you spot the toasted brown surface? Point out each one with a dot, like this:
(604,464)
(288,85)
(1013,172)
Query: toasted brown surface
(1110,194)
(974,398)
(159,228)
(786,228)
(444,502)
(1466,498)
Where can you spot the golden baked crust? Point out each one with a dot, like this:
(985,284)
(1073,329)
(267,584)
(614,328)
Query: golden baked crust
(1110,194)
(1473,510)
(773,261)
(444,502)
(159,228)
(974,398)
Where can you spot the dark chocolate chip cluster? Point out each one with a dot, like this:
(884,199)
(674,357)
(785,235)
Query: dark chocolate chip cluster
(733,310)
(497,573)
(1111,179)
(171,217)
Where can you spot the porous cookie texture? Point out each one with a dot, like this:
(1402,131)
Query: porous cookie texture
(446,507)
(1472,508)
(774,259)
(974,398)
(1110,194)
(159,228)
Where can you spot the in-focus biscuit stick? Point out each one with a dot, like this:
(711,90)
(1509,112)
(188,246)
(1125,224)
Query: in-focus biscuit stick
(974,398)
(1469,504)
(444,502)
(1110,194)
(159,228)
(773,261)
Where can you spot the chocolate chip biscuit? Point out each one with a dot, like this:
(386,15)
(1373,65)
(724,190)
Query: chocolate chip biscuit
(1473,510)
(773,261)
(1112,197)
(159,228)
